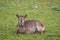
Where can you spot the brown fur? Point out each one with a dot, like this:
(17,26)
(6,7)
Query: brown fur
(29,26)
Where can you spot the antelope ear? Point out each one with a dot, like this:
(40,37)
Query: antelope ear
(25,15)
(17,15)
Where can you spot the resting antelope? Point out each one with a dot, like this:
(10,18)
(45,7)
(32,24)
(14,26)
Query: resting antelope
(28,26)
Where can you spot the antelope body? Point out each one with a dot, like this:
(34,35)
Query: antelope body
(29,26)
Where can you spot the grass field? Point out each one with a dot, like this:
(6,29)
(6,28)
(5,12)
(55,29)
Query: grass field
(46,11)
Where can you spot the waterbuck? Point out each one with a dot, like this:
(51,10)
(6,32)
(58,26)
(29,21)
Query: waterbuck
(28,26)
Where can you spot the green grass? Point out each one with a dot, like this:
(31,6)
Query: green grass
(48,12)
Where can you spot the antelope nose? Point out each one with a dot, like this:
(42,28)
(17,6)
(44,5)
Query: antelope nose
(21,21)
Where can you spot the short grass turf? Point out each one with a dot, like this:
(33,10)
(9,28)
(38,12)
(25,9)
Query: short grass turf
(46,11)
